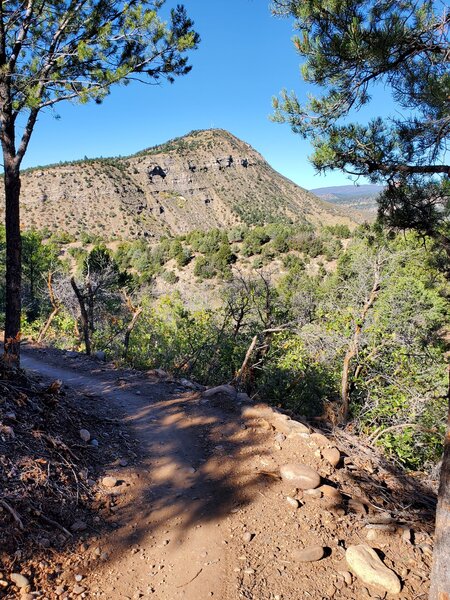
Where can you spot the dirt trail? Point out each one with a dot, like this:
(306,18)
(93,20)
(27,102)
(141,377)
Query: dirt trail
(200,510)
(176,498)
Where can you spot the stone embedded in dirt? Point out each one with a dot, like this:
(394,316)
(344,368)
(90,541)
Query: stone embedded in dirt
(299,428)
(366,564)
(407,536)
(247,537)
(320,440)
(357,506)
(310,554)
(78,578)
(331,492)
(109,481)
(19,580)
(59,591)
(258,411)
(313,493)
(280,438)
(347,577)
(78,526)
(228,390)
(332,455)
(7,430)
(292,501)
(78,589)
(300,475)
(85,435)
(94,443)
(123,462)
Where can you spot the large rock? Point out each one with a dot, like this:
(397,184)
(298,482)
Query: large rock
(300,475)
(332,455)
(320,440)
(227,390)
(310,554)
(366,564)
(85,435)
(20,580)
(109,481)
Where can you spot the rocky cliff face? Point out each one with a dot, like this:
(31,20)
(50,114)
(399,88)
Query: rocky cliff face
(203,180)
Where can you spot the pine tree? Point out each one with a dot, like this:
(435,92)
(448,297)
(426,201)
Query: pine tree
(52,51)
(349,49)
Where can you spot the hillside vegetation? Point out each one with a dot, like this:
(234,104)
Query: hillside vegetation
(327,323)
(203,180)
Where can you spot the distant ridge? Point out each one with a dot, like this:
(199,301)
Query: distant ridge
(353,197)
(206,179)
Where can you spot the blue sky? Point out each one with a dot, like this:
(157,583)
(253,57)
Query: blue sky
(245,57)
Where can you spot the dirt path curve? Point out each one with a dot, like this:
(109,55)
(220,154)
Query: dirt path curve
(173,509)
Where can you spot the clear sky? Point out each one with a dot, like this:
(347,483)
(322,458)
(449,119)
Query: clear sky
(245,57)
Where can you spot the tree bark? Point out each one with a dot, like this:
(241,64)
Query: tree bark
(55,305)
(83,315)
(131,324)
(440,573)
(13,305)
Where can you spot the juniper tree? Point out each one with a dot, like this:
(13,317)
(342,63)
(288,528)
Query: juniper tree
(75,50)
(351,47)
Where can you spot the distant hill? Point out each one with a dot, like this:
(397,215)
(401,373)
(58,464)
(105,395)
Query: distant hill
(205,179)
(353,197)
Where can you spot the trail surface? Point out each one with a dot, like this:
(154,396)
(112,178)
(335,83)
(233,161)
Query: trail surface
(170,538)
(199,510)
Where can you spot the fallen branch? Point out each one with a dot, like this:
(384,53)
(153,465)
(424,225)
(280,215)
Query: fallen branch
(14,514)
(248,355)
(190,580)
(52,522)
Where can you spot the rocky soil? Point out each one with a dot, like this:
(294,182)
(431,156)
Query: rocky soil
(200,494)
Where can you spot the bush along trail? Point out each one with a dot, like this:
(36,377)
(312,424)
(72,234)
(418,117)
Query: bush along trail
(122,485)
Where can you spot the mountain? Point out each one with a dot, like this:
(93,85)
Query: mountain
(353,197)
(205,179)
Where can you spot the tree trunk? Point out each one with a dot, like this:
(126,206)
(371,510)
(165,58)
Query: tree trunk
(13,304)
(440,574)
(55,305)
(44,330)
(83,315)
(126,341)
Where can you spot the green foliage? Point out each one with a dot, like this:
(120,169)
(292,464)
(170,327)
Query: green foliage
(398,376)
(353,48)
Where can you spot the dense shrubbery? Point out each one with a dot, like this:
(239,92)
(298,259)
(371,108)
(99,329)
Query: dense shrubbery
(307,322)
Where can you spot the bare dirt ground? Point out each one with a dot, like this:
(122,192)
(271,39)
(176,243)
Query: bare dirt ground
(195,507)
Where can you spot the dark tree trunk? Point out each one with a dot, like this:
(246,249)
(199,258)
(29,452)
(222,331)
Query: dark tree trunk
(13,263)
(83,315)
(440,574)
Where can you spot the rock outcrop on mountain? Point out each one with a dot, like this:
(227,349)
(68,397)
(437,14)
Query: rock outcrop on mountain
(205,179)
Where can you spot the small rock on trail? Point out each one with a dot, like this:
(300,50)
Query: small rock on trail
(302,476)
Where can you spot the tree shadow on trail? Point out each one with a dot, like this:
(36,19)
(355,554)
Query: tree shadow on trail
(178,461)
(201,462)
